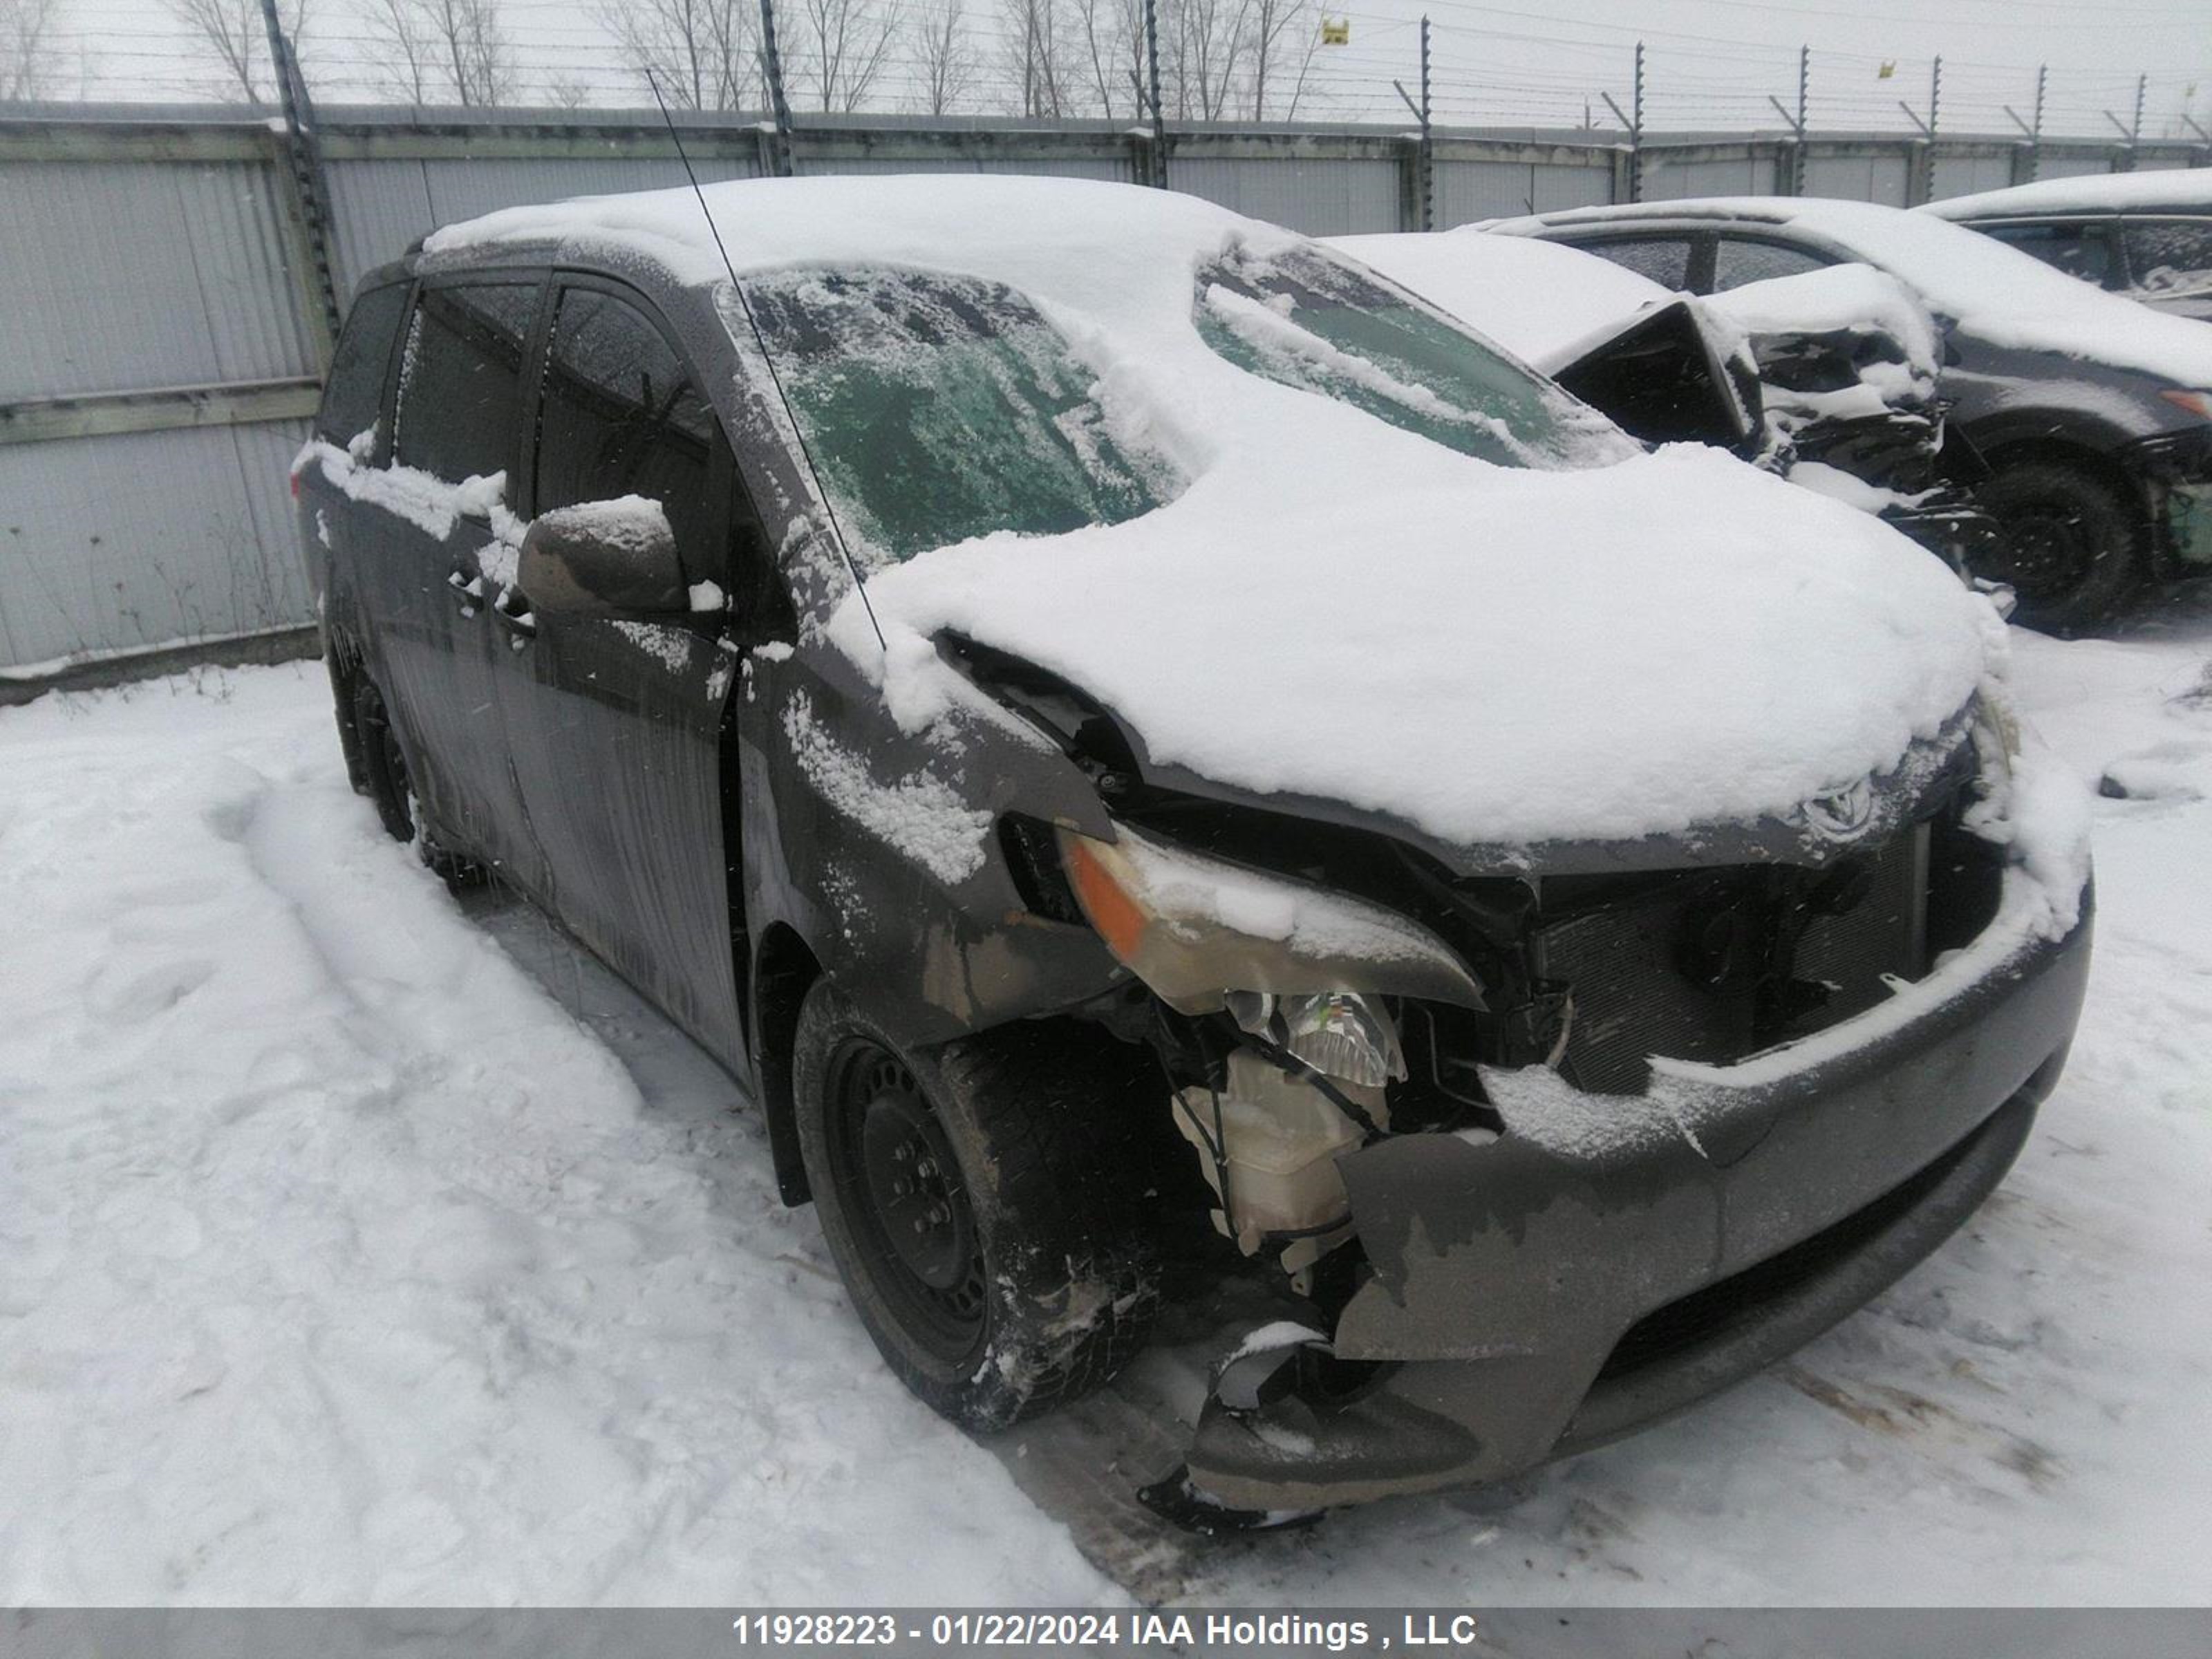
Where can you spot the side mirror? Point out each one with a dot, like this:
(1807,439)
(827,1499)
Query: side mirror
(602,558)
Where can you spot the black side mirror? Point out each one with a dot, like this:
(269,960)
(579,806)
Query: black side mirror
(602,558)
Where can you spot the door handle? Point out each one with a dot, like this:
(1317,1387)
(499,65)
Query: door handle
(521,623)
(468,589)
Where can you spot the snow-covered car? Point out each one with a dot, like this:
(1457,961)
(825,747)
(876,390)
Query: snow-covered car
(2082,421)
(1103,713)
(1828,378)
(2148,235)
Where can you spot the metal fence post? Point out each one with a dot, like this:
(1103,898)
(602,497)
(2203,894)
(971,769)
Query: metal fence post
(771,69)
(307,216)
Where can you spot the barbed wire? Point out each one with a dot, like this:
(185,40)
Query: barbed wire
(1498,65)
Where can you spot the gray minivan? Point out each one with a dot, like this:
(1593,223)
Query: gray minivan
(1106,715)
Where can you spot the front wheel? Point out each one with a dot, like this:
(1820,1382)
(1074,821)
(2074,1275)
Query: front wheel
(985,1203)
(2067,543)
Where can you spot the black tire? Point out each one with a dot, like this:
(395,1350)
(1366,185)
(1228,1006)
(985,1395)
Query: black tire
(1033,1276)
(384,762)
(2068,543)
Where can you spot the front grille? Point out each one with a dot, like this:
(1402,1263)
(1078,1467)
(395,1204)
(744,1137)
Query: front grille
(1711,966)
(1703,1315)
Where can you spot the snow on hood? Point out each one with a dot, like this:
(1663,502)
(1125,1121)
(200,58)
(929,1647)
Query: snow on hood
(1535,299)
(1838,299)
(1635,650)
(1338,609)
(2095,192)
(1998,293)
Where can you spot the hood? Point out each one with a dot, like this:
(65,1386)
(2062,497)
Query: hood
(1676,646)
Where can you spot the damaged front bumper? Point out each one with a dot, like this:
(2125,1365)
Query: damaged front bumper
(1613,1259)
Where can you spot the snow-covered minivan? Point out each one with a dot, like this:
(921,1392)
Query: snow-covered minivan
(1103,714)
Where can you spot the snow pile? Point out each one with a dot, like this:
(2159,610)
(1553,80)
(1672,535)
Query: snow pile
(2101,192)
(1992,291)
(343,1264)
(631,525)
(429,502)
(1535,299)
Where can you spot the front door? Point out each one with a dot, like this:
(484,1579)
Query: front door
(616,723)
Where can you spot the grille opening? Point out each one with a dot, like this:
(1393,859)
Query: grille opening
(1714,965)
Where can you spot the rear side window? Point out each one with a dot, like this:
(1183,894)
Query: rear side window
(622,416)
(1737,262)
(1664,259)
(2170,256)
(2078,250)
(355,390)
(460,380)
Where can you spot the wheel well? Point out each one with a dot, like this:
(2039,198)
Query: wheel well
(784,972)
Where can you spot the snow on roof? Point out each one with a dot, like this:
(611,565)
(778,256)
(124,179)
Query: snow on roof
(1998,293)
(1535,299)
(2096,192)
(1336,608)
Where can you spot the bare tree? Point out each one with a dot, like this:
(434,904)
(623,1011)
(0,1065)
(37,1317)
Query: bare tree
(1036,55)
(1112,33)
(943,57)
(1211,38)
(28,64)
(1279,62)
(568,92)
(701,52)
(232,30)
(842,47)
(405,67)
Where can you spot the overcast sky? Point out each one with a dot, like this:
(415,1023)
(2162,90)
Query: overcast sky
(1710,63)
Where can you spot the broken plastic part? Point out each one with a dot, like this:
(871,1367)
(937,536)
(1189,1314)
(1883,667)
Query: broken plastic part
(1267,1143)
(1196,929)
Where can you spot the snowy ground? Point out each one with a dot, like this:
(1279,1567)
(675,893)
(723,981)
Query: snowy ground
(358,1246)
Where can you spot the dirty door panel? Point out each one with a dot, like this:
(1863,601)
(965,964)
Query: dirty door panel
(615,722)
(458,416)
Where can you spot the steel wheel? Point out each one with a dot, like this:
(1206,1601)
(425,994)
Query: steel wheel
(895,1168)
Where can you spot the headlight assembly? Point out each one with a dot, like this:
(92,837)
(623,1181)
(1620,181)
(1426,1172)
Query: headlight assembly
(1198,929)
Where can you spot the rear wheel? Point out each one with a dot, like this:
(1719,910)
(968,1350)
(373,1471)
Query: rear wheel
(2067,543)
(985,1203)
(385,763)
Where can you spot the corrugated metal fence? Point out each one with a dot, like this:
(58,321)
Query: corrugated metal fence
(162,337)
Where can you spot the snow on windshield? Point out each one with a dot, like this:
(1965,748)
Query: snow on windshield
(941,408)
(1536,299)
(1307,320)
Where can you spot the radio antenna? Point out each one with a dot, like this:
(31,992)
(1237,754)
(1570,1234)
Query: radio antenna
(760,339)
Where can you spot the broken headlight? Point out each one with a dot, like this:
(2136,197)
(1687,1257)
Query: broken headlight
(1207,934)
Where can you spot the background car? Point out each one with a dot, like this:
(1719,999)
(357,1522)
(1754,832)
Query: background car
(2148,235)
(1836,369)
(2082,421)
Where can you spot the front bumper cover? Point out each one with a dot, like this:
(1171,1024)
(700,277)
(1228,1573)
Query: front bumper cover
(1538,1296)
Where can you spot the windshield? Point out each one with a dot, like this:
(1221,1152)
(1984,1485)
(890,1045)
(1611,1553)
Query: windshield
(937,408)
(1311,321)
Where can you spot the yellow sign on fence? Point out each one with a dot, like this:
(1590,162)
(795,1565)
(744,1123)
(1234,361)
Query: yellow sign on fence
(1336,31)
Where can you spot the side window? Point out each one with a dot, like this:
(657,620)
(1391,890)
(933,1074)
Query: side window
(2078,250)
(460,380)
(1737,262)
(622,415)
(2170,256)
(1664,259)
(355,390)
